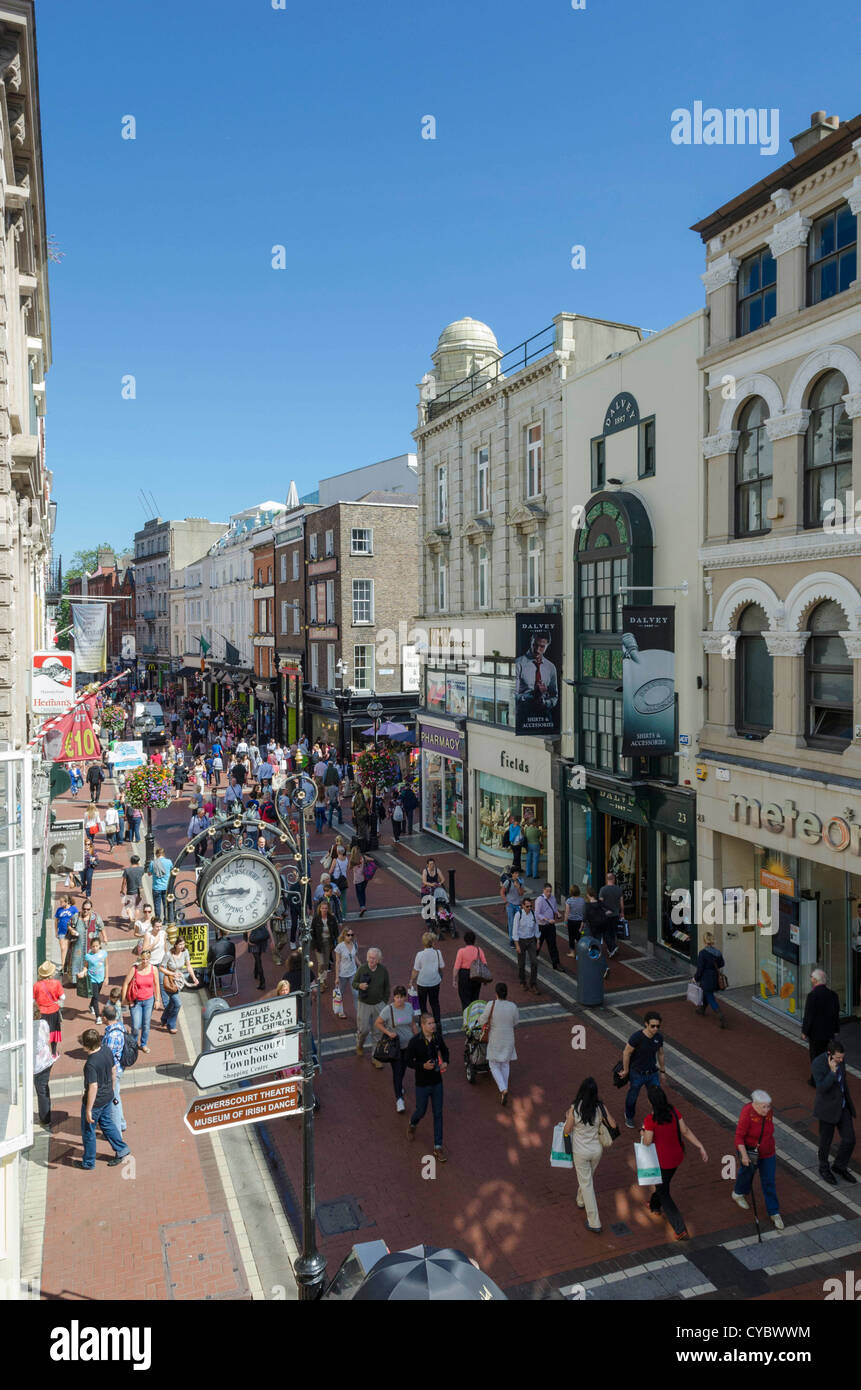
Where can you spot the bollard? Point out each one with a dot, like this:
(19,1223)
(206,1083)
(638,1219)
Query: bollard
(451,892)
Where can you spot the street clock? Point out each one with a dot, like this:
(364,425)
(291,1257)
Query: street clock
(239,891)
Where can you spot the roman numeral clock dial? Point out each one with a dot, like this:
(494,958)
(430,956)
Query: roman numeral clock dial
(240,891)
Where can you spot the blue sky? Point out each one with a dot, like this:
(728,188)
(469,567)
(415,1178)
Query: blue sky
(302,127)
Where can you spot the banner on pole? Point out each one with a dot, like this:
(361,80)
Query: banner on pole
(72,739)
(648,681)
(90,621)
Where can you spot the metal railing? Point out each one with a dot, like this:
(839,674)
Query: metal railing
(539,345)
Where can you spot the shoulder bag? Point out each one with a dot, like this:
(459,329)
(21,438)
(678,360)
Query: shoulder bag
(485,1032)
(480,970)
(607,1133)
(168,982)
(388,1049)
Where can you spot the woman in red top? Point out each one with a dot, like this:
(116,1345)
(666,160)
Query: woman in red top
(48,994)
(140,992)
(754,1139)
(468,989)
(666,1129)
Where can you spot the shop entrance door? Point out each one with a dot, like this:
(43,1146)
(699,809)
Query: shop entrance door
(834,913)
(624,856)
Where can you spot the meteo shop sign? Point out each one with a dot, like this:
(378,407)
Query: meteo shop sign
(246,1107)
(237,1063)
(837,833)
(253,1021)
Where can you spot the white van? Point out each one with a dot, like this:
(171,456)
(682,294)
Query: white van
(155,711)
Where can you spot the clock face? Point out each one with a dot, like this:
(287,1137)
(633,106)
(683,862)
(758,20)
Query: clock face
(242,892)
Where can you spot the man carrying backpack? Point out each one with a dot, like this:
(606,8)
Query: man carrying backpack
(120,1044)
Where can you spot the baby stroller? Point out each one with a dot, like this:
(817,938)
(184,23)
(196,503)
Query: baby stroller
(436,908)
(475,1051)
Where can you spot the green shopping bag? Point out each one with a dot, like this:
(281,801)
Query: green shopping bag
(648,1167)
(82,986)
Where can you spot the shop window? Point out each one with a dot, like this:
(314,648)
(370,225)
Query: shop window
(674,869)
(497,801)
(601,734)
(757,292)
(828,679)
(831,254)
(754,675)
(828,450)
(442,796)
(753,471)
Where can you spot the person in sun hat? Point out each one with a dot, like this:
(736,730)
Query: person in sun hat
(49,995)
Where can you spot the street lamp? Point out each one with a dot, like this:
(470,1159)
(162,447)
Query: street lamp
(145,726)
(375,710)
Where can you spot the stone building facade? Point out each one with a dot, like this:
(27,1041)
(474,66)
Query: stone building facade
(779,803)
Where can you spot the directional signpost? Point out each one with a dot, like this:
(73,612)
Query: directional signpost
(250,1059)
(253,1020)
(265,1102)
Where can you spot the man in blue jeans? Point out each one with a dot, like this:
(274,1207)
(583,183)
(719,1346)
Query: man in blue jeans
(97,1105)
(427,1056)
(642,1062)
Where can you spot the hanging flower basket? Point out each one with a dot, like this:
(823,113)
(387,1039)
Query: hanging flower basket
(377,767)
(149,786)
(112,720)
(234,711)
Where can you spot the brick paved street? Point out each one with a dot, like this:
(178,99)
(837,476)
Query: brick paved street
(178,1227)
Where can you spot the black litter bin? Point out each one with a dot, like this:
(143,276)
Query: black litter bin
(591,965)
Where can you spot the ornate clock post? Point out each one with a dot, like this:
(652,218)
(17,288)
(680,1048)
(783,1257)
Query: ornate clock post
(237,891)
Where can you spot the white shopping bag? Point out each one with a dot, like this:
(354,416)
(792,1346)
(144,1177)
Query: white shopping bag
(695,993)
(337,1002)
(559,1156)
(648,1167)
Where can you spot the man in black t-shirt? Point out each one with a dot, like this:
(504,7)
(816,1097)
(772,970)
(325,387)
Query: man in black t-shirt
(643,1062)
(130,887)
(97,1104)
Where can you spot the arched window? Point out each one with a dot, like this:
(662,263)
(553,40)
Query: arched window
(828,452)
(828,678)
(754,675)
(753,470)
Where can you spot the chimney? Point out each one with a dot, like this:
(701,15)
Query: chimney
(821,126)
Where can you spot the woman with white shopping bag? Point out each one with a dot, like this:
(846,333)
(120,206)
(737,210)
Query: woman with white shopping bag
(592,1129)
(665,1132)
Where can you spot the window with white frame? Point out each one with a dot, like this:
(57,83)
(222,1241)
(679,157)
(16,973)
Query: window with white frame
(296,564)
(283,566)
(363,600)
(363,669)
(441,585)
(534,462)
(312,603)
(261,615)
(284,606)
(295,618)
(482,479)
(312,545)
(442,494)
(315,663)
(330,600)
(330,665)
(361,540)
(330,542)
(533,567)
(16,952)
(483,576)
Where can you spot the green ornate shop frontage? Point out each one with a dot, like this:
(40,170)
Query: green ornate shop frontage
(623,815)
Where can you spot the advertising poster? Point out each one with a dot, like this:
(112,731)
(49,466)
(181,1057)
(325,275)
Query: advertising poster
(91,628)
(66,847)
(538,638)
(73,738)
(197,940)
(52,683)
(126,753)
(648,681)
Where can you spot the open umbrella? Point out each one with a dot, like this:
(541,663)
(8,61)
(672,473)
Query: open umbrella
(387,729)
(425,1274)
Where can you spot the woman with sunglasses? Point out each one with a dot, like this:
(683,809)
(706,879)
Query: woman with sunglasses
(346,964)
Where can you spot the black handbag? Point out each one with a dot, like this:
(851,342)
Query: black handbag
(618,1080)
(388,1049)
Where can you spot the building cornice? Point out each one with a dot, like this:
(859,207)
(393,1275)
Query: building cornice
(781,550)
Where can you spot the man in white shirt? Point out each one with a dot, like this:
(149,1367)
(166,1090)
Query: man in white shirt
(525,937)
(547,915)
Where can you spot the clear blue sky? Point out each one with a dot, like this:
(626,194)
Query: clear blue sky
(303,127)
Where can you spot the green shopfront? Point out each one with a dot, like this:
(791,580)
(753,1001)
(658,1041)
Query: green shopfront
(646,836)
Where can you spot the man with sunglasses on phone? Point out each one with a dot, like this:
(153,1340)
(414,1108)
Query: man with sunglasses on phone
(835,1110)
